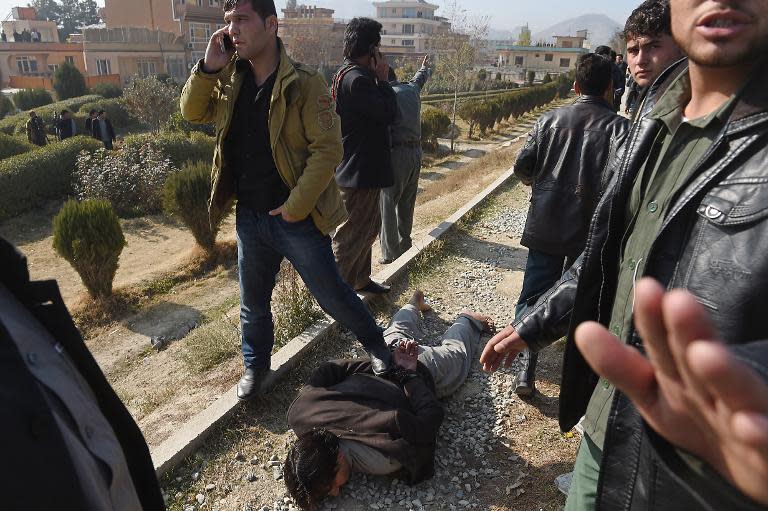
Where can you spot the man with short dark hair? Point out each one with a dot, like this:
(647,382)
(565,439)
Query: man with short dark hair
(92,114)
(650,46)
(367,106)
(667,352)
(103,130)
(619,83)
(277,146)
(66,127)
(563,160)
(399,200)
(36,130)
(349,420)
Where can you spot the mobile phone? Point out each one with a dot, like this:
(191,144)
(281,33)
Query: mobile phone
(226,44)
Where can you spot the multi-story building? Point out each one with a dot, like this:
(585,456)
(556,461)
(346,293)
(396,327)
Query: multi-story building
(408,26)
(193,20)
(544,58)
(311,35)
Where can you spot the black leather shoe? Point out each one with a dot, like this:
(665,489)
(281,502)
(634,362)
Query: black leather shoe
(249,385)
(382,362)
(375,288)
(525,382)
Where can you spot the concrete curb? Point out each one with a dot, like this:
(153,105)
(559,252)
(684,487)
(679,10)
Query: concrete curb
(194,432)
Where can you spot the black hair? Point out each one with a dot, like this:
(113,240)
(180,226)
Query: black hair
(603,51)
(311,467)
(361,37)
(264,8)
(651,18)
(102,112)
(392,76)
(593,74)
(64,112)
(93,111)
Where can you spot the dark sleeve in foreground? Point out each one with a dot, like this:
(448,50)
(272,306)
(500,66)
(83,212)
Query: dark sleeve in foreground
(707,487)
(332,372)
(550,318)
(374,101)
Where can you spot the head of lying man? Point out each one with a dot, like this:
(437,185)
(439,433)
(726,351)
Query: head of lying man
(315,468)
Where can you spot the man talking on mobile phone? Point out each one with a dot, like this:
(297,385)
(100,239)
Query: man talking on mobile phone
(278,142)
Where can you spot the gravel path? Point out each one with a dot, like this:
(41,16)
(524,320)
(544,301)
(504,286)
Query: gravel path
(495,451)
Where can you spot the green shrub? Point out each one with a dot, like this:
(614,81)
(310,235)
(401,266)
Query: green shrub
(88,235)
(27,99)
(11,146)
(179,148)
(178,123)
(16,123)
(69,82)
(6,106)
(434,123)
(131,178)
(186,195)
(115,112)
(107,90)
(29,179)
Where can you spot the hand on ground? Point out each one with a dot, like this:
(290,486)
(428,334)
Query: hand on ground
(690,389)
(503,347)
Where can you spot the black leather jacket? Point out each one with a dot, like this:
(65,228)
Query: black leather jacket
(563,160)
(714,243)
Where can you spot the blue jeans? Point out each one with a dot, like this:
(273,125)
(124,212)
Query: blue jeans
(262,242)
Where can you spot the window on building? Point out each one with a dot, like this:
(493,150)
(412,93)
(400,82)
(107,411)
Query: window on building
(199,32)
(52,68)
(409,12)
(519,61)
(175,67)
(548,57)
(567,44)
(103,67)
(70,59)
(407,42)
(146,68)
(197,56)
(26,65)
(565,62)
(213,3)
(408,29)
(199,3)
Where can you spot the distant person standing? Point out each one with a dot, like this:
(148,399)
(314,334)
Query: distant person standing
(616,75)
(36,130)
(92,115)
(367,106)
(3,37)
(66,126)
(399,200)
(563,162)
(103,130)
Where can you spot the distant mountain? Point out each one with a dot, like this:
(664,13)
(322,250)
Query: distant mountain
(601,29)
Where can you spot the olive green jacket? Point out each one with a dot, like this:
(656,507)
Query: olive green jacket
(304,131)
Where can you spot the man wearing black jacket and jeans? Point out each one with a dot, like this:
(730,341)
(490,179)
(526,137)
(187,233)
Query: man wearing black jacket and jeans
(563,161)
(366,103)
(670,371)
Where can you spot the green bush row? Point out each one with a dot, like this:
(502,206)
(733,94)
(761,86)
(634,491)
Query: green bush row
(484,114)
(470,94)
(29,179)
(434,124)
(179,148)
(11,146)
(11,124)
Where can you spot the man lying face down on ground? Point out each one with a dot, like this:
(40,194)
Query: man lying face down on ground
(349,420)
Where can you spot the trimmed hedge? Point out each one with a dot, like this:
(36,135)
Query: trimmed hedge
(107,90)
(434,123)
(11,146)
(27,99)
(185,195)
(6,106)
(179,148)
(17,123)
(29,179)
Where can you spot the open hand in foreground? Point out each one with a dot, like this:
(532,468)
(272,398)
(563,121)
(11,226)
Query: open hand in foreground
(406,354)
(502,347)
(690,389)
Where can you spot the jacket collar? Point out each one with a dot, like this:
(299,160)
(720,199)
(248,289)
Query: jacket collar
(593,100)
(286,72)
(752,100)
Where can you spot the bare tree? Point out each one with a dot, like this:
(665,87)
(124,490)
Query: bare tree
(457,48)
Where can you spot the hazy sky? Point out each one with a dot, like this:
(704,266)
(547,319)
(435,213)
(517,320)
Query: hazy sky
(504,14)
